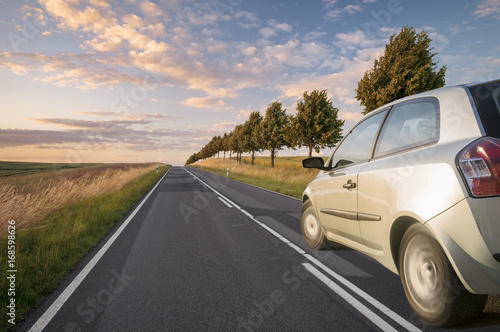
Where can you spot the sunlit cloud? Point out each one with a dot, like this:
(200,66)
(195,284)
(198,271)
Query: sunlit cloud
(208,102)
(488,8)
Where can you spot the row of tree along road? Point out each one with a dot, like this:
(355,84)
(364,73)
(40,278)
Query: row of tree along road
(406,68)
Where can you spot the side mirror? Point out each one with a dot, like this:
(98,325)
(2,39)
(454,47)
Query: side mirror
(315,162)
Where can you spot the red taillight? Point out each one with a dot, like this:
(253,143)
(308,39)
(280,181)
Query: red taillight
(480,165)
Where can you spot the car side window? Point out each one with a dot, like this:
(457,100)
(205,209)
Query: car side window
(409,124)
(357,144)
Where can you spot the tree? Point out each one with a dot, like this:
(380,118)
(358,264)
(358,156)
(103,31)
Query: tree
(251,134)
(236,142)
(224,144)
(316,124)
(273,129)
(406,68)
(218,145)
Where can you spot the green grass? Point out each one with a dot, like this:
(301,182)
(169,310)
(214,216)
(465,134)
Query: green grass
(279,162)
(9,168)
(287,177)
(44,255)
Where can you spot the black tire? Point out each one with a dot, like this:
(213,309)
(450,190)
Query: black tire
(433,289)
(311,227)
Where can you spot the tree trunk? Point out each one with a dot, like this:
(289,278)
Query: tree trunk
(272,157)
(310,150)
(253,156)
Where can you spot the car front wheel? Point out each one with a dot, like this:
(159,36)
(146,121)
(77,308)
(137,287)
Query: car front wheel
(432,287)
(311,227)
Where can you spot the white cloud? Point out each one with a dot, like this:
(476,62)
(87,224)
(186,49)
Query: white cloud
(247,20)
(152,11)
(333,12)
(283,27)
(208,102)
(352,9)
(315,35)
(267,32)
(488,8)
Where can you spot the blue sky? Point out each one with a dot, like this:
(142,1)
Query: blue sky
(128,81)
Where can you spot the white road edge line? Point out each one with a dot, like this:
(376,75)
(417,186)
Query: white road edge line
(382,324)
(394,316)
(42,322)
(388,312)
(224,201)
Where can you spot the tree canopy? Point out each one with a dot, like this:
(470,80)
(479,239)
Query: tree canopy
(406,68)
(274,129)
(316,124)
(253,142)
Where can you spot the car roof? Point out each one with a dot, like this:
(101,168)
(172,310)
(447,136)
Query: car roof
(429,93)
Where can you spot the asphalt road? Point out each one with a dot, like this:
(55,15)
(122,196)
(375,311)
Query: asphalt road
(205,253)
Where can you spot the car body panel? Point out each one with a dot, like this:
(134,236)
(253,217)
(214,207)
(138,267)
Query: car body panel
(486,212)
(333,200)
(463,243)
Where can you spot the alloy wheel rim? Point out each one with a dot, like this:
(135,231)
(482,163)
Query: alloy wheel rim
(423,276)
(311,226)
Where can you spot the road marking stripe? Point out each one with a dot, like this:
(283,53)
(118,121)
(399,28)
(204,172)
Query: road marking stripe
(224,198)
(398,319)
(388,312)
(224,201)
(382,324)
(59,302)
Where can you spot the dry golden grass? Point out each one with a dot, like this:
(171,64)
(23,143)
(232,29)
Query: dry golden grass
(287,177)
(28,199)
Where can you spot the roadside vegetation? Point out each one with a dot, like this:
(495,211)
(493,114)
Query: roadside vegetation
(9,168)
(59,217)
(286,177)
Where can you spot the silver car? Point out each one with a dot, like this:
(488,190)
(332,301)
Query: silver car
(416,185)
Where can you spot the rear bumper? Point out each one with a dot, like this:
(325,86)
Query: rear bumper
(463,243)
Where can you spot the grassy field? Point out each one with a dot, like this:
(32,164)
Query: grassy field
(9,168)
(287,177)
(74,210)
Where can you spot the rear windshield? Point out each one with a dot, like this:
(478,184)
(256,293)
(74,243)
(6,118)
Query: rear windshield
(487,99)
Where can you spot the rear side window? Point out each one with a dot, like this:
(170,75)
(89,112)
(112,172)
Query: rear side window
(410,124)
(487,99)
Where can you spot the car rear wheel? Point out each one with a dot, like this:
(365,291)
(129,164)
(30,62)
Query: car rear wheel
(311,227)
(432,287)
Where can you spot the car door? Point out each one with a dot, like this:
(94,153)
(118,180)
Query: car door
(402,175)
(336,191)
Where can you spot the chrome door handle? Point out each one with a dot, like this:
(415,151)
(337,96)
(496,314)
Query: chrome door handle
(349,185)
